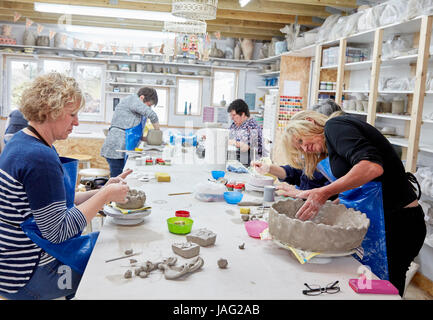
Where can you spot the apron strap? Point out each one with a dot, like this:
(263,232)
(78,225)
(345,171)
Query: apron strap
(38,135)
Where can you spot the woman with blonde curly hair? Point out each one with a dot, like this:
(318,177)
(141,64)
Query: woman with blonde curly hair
(32,187)
(358,153)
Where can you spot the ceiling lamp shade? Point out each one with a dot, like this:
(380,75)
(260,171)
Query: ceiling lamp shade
(194,9)
(187,27)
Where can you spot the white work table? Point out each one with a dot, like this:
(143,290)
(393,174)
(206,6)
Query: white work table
(261,271)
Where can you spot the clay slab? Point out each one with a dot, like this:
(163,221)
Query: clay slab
(186,249)
(203,237)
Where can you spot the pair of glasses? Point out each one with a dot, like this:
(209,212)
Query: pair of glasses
(314,290)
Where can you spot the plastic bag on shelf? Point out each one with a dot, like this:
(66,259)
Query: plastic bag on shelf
(310,37)
(325,28)
(394,11)
(337,30)
(370,18)
(351,24)
(416,8)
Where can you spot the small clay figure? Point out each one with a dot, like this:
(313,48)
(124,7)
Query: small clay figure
(143,274)
(202,237)
(242,246)
(222,263)
(128,274)
(129,251)
(186,250)
(172,272)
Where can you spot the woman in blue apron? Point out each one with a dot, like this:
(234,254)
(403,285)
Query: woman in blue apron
(127,127)
(359,155)
(42,252)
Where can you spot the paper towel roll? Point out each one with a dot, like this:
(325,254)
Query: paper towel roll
(216,147)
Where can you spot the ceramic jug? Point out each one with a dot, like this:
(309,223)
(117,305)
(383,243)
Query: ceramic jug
(247,48)
(43,41)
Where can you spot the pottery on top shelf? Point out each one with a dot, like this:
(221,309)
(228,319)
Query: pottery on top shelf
(247,48)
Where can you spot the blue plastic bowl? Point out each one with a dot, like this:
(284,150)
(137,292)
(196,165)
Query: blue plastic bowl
(233,197)
(216,174)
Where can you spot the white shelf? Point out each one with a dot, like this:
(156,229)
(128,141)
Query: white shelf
(403,142)
(396,92)
(393,116)
(159,74)
(139,84)
(327,91)
(361,65)
(399,60)
(356,112)
(268,87)
(269,74)
(356,91)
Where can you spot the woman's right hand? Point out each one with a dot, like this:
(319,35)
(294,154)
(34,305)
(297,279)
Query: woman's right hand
(116,192)
(261,167)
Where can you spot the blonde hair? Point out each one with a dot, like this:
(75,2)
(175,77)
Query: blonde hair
(48,95)
(305,123)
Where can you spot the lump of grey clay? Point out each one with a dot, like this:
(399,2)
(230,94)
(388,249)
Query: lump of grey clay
(143,274)
(203,237)
(222,263)
(132,261)
(129,251)
(186,249)
(242,246)
(128,274)
(245,217)
(135,199)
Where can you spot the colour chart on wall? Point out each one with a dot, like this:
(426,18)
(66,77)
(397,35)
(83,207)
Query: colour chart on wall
(289,105)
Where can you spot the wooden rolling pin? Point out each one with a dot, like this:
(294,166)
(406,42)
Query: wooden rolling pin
(249,203)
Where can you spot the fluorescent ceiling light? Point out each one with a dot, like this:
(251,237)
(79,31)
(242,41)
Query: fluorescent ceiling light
(106,12)
(243,3)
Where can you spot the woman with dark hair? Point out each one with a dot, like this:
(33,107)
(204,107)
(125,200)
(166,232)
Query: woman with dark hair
(245,133)
(131,113)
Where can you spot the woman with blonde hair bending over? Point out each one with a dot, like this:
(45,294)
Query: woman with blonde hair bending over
(32,186)
(358,153)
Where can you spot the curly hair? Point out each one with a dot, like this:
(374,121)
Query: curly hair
(304,123)
(48,95)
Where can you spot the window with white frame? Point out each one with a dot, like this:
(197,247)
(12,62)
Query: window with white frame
(225,86)
(161,108)
(22,71)
(189,93)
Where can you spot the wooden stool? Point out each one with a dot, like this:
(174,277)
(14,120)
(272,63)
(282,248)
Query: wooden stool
(83,159)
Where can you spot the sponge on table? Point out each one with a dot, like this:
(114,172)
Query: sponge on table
(162,177)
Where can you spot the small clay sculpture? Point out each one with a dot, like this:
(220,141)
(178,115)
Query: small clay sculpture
(173,272)
(222,263)
(186,250)
(129,251)
(203,237)
(242,246)
(128,274)
(143,274)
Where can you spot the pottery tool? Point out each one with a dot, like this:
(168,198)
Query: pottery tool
(123,257)
(178,194)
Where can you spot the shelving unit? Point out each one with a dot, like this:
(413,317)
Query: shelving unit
(418,63)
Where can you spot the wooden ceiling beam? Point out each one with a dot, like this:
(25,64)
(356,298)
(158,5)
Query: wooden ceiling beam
(265,17)
(324,3)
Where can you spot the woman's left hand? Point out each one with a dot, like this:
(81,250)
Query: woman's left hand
(316,198)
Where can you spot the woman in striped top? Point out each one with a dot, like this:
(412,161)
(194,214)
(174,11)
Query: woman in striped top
(31,185)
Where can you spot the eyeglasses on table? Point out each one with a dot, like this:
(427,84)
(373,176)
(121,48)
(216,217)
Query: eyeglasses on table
(314,290)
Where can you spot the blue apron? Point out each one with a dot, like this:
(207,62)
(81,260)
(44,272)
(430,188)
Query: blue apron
(133,135)
(74,252)
(367,199)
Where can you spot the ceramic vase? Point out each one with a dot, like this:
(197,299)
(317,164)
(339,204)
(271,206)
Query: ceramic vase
(29,38)
(237,51)
(247,48)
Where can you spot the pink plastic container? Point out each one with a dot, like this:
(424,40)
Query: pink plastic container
(255,227)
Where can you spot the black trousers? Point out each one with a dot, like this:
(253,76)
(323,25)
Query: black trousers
(405,233)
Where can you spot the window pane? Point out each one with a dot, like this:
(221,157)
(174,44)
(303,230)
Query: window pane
(57,66)
(22,74)
(162,108)
(90,79)
(188,92)
(224,87)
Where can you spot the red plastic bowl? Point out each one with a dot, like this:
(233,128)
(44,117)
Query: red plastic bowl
(182,213)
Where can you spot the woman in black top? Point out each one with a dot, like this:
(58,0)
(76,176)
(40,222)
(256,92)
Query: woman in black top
(359,153)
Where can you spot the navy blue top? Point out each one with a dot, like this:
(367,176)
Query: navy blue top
(16,122)
(298,178)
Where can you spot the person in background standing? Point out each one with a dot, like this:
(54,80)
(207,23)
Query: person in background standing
(129,113)
(15,123)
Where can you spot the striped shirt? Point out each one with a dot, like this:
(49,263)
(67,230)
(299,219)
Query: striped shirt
(31,184)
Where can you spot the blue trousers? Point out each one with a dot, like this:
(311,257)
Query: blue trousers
(50,281)
(116,166)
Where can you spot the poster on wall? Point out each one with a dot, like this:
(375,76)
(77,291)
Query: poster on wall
(208,114)
(250,99)
(221,115)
